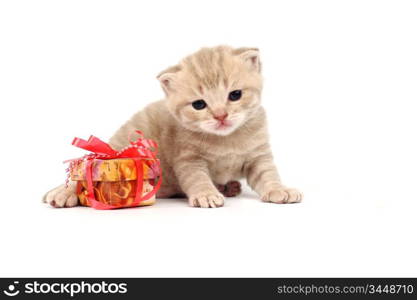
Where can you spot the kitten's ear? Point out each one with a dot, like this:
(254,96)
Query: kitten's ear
(167,78)
(250,56)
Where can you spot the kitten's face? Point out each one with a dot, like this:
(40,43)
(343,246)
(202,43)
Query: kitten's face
(214,90)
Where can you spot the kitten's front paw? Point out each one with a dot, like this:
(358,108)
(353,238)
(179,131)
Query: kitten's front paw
(283,195)
(62,196)
(206,200)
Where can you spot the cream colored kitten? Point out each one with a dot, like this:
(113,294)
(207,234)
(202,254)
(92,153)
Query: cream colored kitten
(211,130)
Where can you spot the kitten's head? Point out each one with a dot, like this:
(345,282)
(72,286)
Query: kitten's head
(214,90)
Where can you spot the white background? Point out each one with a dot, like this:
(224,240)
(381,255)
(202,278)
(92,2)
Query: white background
(340,91)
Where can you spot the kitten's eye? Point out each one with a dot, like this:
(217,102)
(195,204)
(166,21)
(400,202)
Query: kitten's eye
(199,104)
(235,95)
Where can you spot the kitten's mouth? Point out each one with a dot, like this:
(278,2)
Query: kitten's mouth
(220,127)
(223,125)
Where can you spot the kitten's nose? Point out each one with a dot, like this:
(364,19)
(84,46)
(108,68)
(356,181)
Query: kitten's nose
(221,117)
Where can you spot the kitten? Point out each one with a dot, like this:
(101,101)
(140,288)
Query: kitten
(211,130)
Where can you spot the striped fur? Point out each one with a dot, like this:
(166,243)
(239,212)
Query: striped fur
(194,156)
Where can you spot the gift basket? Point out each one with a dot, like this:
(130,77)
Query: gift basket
(110,179)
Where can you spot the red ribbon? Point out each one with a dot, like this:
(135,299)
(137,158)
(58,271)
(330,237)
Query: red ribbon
(140,150)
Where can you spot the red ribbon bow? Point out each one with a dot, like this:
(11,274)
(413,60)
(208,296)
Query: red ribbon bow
(138,150)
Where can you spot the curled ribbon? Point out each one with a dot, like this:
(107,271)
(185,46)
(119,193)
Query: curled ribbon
(140,150)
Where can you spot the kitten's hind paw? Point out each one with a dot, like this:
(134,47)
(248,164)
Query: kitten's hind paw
(230,189)
(206,200)
(283,195)
(62,196)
